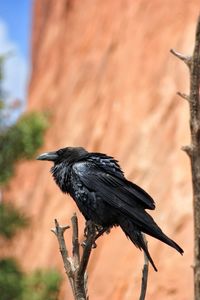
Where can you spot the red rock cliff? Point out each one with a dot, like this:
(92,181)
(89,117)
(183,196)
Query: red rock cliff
(103,70)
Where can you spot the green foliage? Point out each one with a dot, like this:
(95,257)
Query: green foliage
(11,220)
(11,280)
(21,140)
(16,285)
(42,285)
(30,129)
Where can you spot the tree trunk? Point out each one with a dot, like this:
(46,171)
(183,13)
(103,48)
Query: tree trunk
(193,150)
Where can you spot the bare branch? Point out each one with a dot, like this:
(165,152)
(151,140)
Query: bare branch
(75,241)
(187,149)
(184,96)
(80,274)
(75,267)
(187,59)
(59,231)
(194,149)
(87,247)
(145,272)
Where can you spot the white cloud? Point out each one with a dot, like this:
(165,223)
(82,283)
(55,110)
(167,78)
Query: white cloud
(16,67)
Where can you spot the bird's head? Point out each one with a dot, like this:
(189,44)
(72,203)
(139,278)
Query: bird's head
(63,159)
(68,155)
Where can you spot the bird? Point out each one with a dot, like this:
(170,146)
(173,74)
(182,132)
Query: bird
(104,196)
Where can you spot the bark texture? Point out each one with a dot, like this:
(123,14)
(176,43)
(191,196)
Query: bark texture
(193,150)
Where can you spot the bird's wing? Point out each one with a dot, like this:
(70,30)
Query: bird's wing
(111,166)
(105,162)
(117,191)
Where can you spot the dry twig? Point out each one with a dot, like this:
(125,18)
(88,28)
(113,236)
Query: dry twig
(145,272)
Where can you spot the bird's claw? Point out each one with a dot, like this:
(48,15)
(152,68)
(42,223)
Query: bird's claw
(83,244)
(88,228)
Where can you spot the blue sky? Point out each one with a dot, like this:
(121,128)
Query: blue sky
(15,36)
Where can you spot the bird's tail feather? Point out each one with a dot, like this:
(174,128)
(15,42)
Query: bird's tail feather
(136,237)
(157,233)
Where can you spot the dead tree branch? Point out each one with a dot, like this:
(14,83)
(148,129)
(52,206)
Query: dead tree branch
(75,266)
(145,272)
(186,59)
(193,150)
(59,232)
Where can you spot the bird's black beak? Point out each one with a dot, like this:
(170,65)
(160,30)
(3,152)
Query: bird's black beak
(51,156)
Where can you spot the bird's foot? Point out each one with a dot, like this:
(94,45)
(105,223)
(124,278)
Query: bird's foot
(89,228)
(89,232)
(83,244)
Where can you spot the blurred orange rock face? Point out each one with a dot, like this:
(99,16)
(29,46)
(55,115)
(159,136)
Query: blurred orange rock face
(104,72)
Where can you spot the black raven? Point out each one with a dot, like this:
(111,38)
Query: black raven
(97,184)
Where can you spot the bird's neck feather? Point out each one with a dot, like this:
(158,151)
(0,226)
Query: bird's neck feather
(60,173)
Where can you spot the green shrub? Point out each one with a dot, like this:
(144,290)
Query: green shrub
(42,285)
(11,220)
(11,280)
(30,130)
(16,285)
(19,141)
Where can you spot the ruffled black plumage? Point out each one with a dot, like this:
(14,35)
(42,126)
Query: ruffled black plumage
(103,194)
